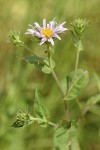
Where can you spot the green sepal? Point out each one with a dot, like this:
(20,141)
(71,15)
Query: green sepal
(40,109)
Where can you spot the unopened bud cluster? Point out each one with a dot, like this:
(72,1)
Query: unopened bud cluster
(79,26)
(22,119)
(14,38)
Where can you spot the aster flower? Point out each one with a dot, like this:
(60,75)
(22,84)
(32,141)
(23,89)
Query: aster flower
(48,32)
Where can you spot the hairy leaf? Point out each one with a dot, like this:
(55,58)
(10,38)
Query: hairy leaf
(65,134)
(78,84)
(46,68)
(41,63)
(40,109)
(35,60)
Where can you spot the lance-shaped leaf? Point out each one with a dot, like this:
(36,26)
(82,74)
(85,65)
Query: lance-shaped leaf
(41,63)
(78,84)
(40,109)
(35,60)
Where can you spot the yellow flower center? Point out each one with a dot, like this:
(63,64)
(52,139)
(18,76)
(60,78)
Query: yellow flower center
(47,32)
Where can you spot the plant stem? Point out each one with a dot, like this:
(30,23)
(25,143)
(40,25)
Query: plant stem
(63,93)
(58,83)
(50,123)
(53,124)
(77,60)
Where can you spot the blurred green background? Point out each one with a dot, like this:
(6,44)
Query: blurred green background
(19,79)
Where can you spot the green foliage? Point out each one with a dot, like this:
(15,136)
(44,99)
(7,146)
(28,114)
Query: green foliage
(40,110)
(75,145)
(78,84)
(18,80)
(65,133)
(41,63)
(36,61)
(93,100)
(92,105)
(46,68)
(66,83)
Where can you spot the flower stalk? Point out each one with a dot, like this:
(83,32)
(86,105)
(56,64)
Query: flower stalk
(77,61)
(63,93)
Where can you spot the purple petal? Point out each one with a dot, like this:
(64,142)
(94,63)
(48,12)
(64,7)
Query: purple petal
(42,41)
(52,24)
(30,31)
(56,36)
(59,29)
(37,26)
(37,34)
(51,41)
(44,23)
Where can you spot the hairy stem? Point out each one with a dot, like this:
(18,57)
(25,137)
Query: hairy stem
(58,83)
(50,123)
(63,93)
(77,60)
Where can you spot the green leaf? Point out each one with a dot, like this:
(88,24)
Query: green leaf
(74,110)
(41,63)
(93,100)
(66,83)
(65,134)
(95,109)
(46,68)
(35,60)
(40,109)
(79,83)
(75,145)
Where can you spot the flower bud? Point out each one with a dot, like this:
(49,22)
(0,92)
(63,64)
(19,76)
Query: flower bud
(14,38)
(22,119)
(80,26)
